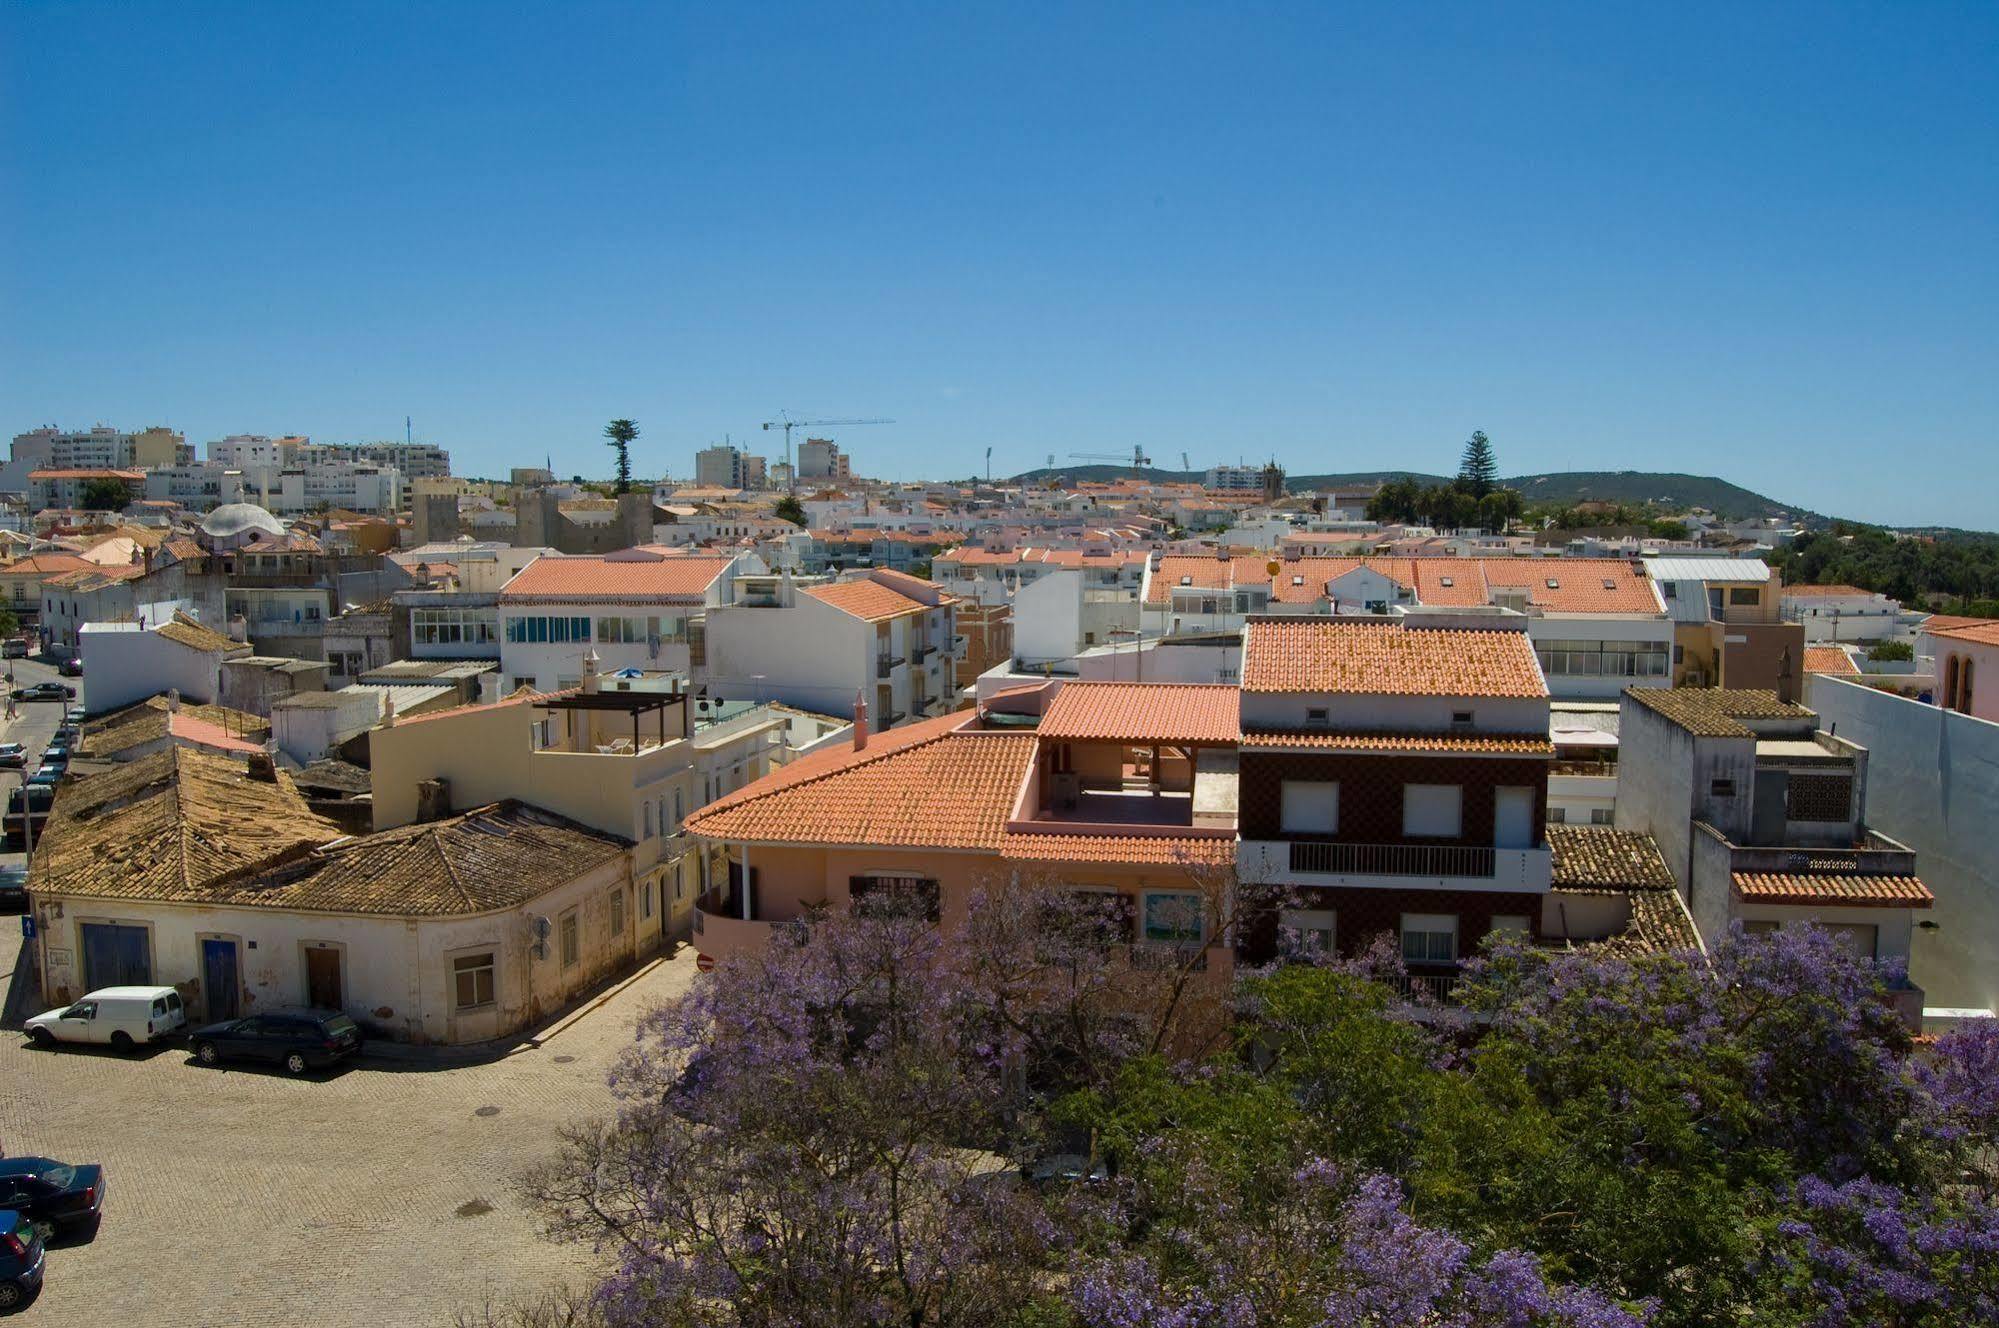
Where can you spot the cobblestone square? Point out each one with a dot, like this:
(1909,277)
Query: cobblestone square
(377,1195)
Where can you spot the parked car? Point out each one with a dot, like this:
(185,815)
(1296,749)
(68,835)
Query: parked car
(13,887)
(75,714)
(47,776)
(12,755)
(14,647)
(40,798)
(121,1017)
(21,1260)
(71,668)
(299,1040)
(44,1190)
(45,691)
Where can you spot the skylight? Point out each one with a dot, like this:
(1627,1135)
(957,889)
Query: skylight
(1553,584)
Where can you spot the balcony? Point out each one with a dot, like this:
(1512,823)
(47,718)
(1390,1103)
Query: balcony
(719,936)
(1336,863)
(885,665)
(919,653)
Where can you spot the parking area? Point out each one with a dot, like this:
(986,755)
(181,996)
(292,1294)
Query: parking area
(376,1195)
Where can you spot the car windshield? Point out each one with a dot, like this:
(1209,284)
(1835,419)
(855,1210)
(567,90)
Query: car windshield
(339,1023)
(63,1176)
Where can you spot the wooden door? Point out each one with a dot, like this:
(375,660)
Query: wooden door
(322,979)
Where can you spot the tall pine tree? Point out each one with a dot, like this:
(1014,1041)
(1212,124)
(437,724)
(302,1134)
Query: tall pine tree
(1479,469)
(621,433)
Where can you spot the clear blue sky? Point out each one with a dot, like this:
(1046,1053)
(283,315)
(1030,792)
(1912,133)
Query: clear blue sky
(1755,241)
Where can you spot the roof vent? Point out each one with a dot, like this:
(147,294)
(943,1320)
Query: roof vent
(1553,584)
(1609,584)
(1445,580)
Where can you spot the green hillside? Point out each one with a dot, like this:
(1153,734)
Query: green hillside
(1560,488)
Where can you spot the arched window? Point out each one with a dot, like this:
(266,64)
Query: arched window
(1950,683)
(1964,688)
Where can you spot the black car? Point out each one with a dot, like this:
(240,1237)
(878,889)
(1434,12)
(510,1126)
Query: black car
(44,1190)
(70,668)
(13,888)
(299,1040)
(45,691)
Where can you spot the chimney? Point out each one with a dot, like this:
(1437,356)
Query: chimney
(591,682)
(1787,683)
(860,720)
(263,765)
(433,799)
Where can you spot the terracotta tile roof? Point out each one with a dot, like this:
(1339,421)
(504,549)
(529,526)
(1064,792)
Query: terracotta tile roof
(1808,592)
(87,474)
(1595,859)
(1205,573)
(47,564)
(1715,712)
(1581,585)
(107,736)
(1372,657)
(1144,712)
(928,785)
(1468,744)
(495,857)
(1980,632)
(866,599)
(1829,659)
(169,826)
(95,577)
(1136,849)
(1832,888)
(185,631)
(633,576)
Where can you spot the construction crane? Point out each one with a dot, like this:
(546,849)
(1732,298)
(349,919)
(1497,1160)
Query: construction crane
(1185,463)
(786,423)
(1138,460)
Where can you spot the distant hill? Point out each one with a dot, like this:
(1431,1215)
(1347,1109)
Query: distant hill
(1561,487)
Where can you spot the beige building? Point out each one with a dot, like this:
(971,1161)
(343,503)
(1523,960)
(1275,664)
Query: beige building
(628,763)
(213,875)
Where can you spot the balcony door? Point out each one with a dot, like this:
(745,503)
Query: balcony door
(1513,817)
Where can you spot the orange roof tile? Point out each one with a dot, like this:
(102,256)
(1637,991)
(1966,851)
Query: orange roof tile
(1831,888)
(948,789)
(1809,592)
(1980,632)
(631,576)
(1373,657)
(865,599)
(1140,849)
(1829,659)
(1467,744)
(1575,585)
(1144,712)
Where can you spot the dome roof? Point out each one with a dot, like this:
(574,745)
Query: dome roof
(235,518)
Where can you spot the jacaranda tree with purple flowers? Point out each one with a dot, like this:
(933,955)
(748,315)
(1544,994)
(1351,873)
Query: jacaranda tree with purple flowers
(856,1128)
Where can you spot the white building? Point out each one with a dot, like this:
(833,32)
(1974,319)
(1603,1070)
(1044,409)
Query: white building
(197,486)
(881,635)
(637,608)
(126,662)
(1840,613)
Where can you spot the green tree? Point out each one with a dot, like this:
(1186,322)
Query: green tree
(105,495)
(1479,468)
(621,433)
(790,509)
(1498,508)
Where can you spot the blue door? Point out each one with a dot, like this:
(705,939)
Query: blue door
(218,978)
(115,956)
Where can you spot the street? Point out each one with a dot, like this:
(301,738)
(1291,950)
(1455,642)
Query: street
(34,723)
(377,1195)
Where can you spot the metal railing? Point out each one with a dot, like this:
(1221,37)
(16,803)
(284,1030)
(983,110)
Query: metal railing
(885,664)
(1440,988)
(1392,859)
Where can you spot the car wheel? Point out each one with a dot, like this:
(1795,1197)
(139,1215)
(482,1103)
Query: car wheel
(121,1042)
(42,1038)
(11,1294)
(295,1062)
(206,1053)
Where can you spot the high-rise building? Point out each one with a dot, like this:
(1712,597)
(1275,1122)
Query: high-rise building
(822,459)
(726,467)
(100,447)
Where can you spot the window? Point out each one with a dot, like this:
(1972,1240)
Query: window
(1670,589)
(1602,815)
(1311,930)
(1430,938)
(618,911)
(1721,788)
(1432,811)
(1310,808)
(472,980)
(645,901)
(1173,917)
(572,941)
(1745,594)
(648,820)
(1613,659)
(898,891)
(1558,815)
(1461,717)
(1513,926)
(677,810)
(1316,717)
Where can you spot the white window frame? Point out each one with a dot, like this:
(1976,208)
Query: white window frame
(1317,928)
(1304,804)
(491,968)
(1430,926)
(1424,808)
